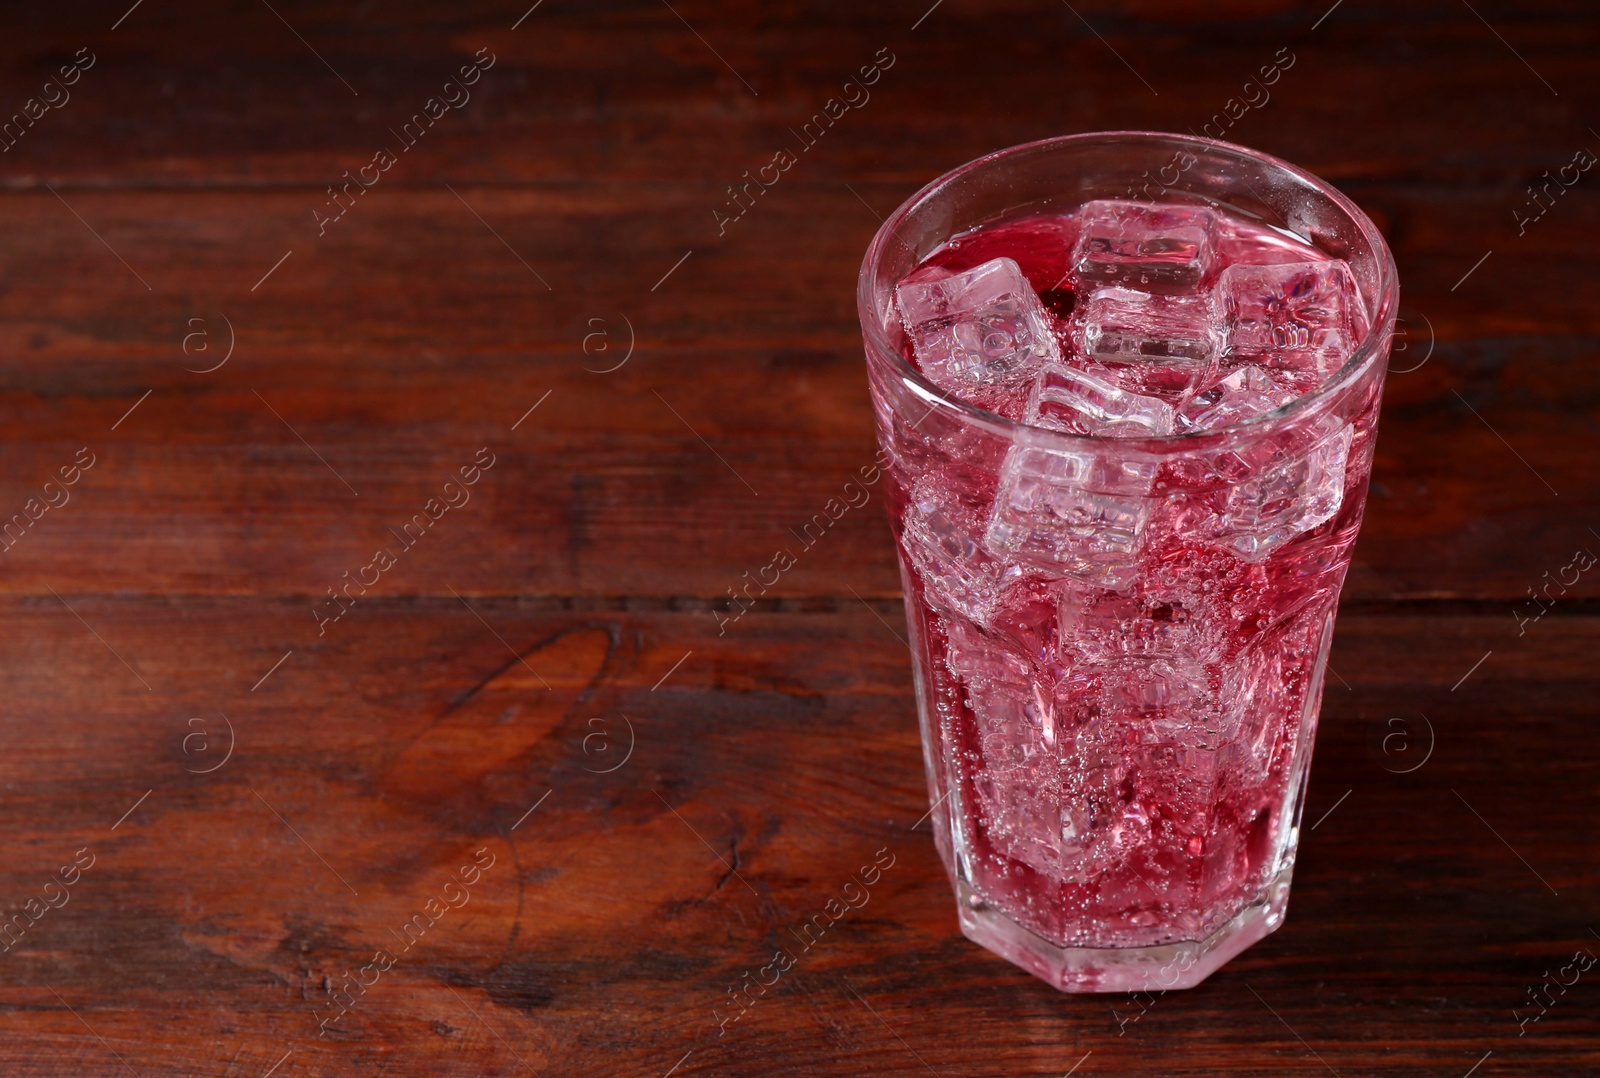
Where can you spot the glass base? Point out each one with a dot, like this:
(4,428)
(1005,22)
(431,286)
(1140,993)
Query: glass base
(1122,969)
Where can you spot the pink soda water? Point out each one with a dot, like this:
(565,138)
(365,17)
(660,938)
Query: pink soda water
(1123,612)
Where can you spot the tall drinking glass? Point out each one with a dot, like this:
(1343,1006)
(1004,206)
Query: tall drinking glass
(1118,643)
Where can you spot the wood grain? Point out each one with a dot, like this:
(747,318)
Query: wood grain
(767,768)
(536,708)
(441,341)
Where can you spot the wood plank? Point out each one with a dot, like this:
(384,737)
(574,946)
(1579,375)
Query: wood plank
(410,338)
(606,932)
(271,794)
(188,94)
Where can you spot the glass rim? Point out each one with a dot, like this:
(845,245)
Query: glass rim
(1360,360)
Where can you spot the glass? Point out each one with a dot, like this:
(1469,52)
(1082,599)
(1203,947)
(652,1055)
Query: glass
(1123,817)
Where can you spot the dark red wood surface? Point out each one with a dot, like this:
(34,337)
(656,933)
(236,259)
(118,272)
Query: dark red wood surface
(537,691)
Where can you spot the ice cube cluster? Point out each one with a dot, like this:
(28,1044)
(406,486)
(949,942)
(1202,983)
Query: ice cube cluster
(1159,316)
(1165,336)
(1107,610)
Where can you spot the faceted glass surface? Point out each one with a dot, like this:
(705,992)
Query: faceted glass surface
(1122,609)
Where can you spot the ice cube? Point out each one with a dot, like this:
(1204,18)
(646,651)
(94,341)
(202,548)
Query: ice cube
(1077,402)
(1025,614)
(943,527)
(1175,781)
(1102,627)
(1092,800)
(977,333)
(1176,789)
(1144,688)
(1092,817)
(1020,820)
(1244,394)
(1171,700)
(1074,693)
(1016,779)
(984,668)
(1103,816)
(1299,318)
(1286,499)
(1257,707)
(1155,248)
(1081,513)
(1161,346)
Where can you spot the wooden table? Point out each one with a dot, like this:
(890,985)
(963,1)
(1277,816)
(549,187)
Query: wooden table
(521,787)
